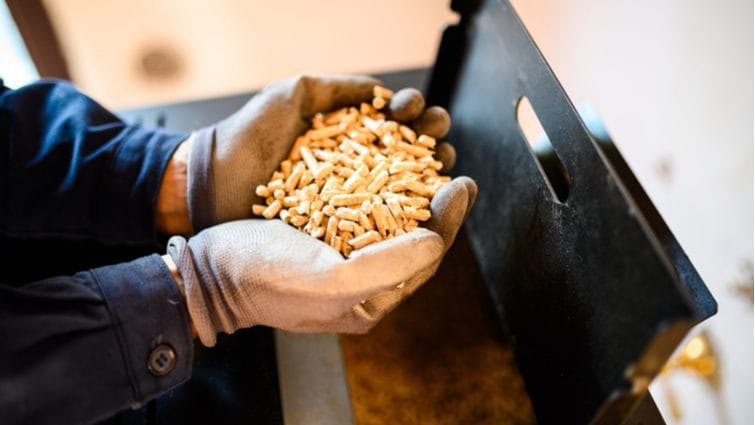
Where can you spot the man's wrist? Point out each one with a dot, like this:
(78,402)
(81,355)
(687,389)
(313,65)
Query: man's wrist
(172,212)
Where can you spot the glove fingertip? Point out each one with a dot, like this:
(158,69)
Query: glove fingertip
(434,122)
(406,105)
(449,207)
(471,186)
(446,154)
(471,193)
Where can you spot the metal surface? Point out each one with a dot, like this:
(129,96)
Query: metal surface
(589,284)
(646,413)
(312,379)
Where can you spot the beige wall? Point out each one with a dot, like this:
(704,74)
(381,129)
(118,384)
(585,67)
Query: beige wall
(228,46)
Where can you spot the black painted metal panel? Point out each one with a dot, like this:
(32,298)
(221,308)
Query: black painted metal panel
(594,290)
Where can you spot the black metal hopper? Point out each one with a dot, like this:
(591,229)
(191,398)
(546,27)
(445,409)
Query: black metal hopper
(589,283)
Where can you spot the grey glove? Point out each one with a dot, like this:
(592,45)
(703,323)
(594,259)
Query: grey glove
(229,159)
(265,272)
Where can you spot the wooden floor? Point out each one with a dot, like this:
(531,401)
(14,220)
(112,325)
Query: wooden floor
(439,358)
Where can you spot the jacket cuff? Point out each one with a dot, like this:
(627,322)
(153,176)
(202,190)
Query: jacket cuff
(151,324)
(199,179)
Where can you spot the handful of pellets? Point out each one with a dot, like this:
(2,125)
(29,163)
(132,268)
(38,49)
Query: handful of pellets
(355,178)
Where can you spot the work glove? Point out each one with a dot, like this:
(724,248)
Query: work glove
(265,272)
(229,159)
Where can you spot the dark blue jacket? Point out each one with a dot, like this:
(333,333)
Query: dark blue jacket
(77,186)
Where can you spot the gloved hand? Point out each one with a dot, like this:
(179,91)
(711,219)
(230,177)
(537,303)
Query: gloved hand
(265,272)
(229,159)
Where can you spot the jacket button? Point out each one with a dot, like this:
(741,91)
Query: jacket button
(161,360)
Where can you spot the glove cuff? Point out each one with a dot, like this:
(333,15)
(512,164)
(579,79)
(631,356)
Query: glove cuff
(199,189)
(191,287)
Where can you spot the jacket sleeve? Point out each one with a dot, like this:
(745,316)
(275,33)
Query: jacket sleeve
(75,349)
(71,169)
(79,349)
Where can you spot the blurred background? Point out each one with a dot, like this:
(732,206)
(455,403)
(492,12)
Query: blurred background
(672,82)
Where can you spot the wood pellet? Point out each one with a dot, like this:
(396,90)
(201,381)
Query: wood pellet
(355,178)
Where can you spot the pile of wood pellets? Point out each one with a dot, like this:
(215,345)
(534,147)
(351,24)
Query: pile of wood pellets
(355,178)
